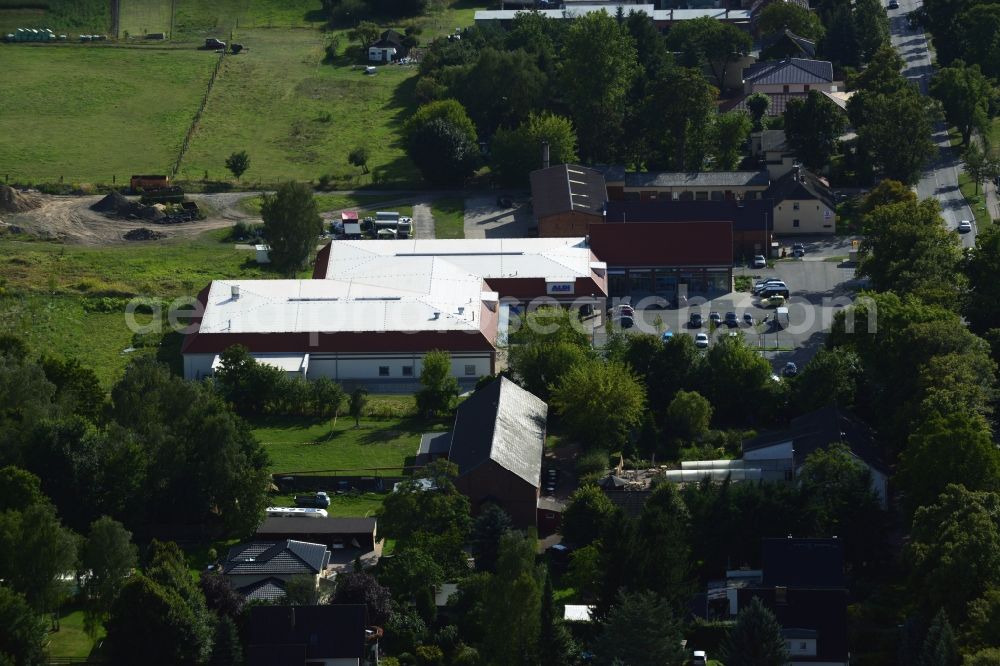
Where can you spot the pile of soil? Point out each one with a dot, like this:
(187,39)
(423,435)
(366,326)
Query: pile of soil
(114,203)
(12,201)
(152,213)
(143,234)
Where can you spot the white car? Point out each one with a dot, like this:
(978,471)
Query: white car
(701,340)
(759,261)
(964,227)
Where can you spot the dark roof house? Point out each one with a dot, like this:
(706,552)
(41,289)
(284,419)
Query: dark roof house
(497,444)
(566,198)
(715,179)
(268,590)
(789,71)
(389,38)
(353,533)
(285,558)
(800,185)
(787,44)
(300,635)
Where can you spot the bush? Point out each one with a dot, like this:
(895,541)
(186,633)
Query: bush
(595,462)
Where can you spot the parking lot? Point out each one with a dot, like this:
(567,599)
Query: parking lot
(819,286)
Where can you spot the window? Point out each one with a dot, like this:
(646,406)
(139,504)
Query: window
(383,371)
(795,205)
(407,370)
(470,370)
(803,647)
(795,223)
(806,87)
(781,595)
(784,88)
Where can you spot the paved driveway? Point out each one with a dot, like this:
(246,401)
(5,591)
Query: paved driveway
(484,219)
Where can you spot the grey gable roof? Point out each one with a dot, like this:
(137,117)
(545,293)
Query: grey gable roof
(698,179)
(284,557)
(504,423)
(269,589)
(567,188)
(800,185)
(790,70)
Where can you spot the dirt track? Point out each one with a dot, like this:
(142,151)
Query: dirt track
(70,219)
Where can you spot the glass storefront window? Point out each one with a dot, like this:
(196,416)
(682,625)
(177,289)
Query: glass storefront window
(666,283)
(617,285)
(639,281)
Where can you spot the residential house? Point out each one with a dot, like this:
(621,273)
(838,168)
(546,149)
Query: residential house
(751,219)
(353,535)
(803,204)
(695,186)
(787,45)
(566,198)
(771,148)
(780,455)
(328,635)
(388,48)
(791,75)
(248,565)
(497,443)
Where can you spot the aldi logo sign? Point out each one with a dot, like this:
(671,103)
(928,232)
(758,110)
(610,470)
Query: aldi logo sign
(556,288)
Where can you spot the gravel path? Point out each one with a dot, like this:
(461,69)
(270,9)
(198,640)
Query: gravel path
(423,220)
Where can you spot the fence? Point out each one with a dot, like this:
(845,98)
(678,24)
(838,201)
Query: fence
(197,115)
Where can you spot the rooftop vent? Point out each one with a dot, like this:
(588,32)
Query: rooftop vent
(235,291)
(434,317)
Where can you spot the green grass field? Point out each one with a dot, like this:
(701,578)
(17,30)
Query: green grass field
(196,19)
(68,16)
(348,505)
(71,641)
(49,290)
(86,113)
(449,218)
(298,117)
(141,17)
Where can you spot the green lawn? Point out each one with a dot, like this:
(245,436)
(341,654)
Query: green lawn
(141,17)
(197,19)
(52,294)
(977,201)
(68,16)
(310,445)
(328,202)
(87,113)
(298,117)
(347,505)
(71,641)
(449,218)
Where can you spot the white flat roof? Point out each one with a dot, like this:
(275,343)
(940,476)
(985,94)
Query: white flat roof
(285,362)
(563,258)
(577,613)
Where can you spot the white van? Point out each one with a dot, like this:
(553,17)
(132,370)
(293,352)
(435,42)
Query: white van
(295,512)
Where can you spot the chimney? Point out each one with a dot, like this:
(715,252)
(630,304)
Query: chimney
(545,154)
(236,291)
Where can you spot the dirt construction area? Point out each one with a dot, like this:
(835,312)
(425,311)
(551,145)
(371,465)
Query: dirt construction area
(70,219)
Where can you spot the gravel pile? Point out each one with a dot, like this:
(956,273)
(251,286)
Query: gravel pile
(12,201)
(115,203)
(143,234)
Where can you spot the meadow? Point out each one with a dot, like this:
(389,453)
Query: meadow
(298,117)
(65,16)
(138,18)
(86,113)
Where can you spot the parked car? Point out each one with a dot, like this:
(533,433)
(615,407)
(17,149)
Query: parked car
(700,658)
(773,290)
(731,320)
(790,369)
(798,250)
(759,261)
(715,318)
(748,319)
(893,4)
(695,321)
(318,500)
(762,284)
(964,227)
(213,43)
(776,301)
(667,336)
(624,320)
(701,340)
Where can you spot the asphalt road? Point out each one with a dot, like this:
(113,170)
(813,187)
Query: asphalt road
(940,179)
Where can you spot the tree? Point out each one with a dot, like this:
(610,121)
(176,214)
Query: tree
(25,633)
(689,415)
(780,16)
(707,42)
(515,153)
(829,378)
(19,489)
(736,380)
(887,192)
(291,226)
(362,588)
(513,602)
(662,562)
(359,157)
(974,39)
(729,137)
(328,396)
(151,624)
(220,597)
(982,266)
(500,89)
(238,163)
(250,387)
(440,388)
(587,515)
(640,630)
(487,531)
(599,62)
(78,390)
(939,647)
(583,393)
(841,42)
(872,27)
(226,647)
(812,127)
(366,33)
(907,249)
(755,639)
(975,163)
(897,150)
(676,116)
(411,510)
(35,552)
(954,552)
(584,571)
(955,447)
(545,344)
(966,96)
(555,644)
(108,557)
(441,140)
(757,104)
(358,402)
